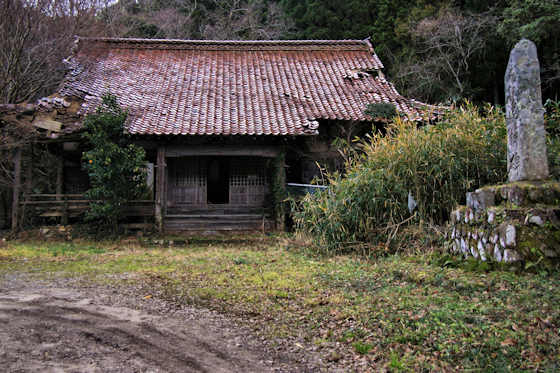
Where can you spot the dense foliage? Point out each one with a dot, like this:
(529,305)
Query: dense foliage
(441,50)
(552,121)
(435,165)
(115,166)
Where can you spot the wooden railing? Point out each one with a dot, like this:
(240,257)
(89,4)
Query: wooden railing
(74,205)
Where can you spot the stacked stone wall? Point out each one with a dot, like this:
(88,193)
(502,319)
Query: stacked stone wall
(508,223)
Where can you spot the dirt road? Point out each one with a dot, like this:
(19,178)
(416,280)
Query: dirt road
(64,329)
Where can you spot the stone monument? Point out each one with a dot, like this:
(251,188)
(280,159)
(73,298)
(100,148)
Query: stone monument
(525,115)
(519,220)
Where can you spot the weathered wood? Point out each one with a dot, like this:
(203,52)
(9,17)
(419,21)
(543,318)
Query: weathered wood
(59,177)
(47,124)
(187,182)
(160,187)
(65,212)
(217,223)
(227,209)
(70,200)
(70,146)
(137,225)
(65,206)
(16,189)
(226,150)
(29,172)
(67,196)
(248,184)
(54,202)
(279,191)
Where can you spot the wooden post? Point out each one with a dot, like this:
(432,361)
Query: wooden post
(16,189)
(64,219)
(28,185)
(60,187)
(160,188)
(29,172)
(59,177)
(279,191)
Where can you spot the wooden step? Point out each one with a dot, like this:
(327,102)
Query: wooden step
(215,209)
(215,216)
(216,222)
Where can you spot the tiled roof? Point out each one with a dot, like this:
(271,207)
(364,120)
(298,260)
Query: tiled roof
(173,87)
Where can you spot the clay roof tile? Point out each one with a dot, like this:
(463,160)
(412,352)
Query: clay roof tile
(180,87)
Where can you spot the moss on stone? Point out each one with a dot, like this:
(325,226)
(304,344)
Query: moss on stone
(525,192)
(536,242)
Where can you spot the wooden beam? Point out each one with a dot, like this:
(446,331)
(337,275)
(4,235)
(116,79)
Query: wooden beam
(48,124)
(226,150)
(16,189)
(160,187)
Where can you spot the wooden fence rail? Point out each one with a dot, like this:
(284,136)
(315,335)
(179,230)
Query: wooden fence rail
(67,206)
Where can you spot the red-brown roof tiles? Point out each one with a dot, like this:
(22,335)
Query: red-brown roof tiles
(184,87)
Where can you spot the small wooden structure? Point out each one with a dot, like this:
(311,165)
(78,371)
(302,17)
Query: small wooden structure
(223,122)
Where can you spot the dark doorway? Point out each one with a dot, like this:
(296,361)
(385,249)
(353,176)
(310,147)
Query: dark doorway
(218,181)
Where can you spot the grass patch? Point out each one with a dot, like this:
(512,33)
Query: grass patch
(401,312)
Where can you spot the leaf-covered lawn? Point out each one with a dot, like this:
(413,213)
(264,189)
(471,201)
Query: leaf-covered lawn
(402,312)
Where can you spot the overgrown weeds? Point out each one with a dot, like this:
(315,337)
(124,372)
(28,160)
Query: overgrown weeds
(429,168)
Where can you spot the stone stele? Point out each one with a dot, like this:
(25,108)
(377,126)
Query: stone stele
(527,158)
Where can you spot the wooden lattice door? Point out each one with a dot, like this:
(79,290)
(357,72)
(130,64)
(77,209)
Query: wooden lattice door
(247,182)
(187,181)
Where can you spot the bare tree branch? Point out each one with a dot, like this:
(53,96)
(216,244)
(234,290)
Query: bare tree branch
(447,45)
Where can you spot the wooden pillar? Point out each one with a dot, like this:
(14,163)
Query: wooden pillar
(160,188)
(60,185)
(59,177)
(27,183)
(279,191)
(16,189)
(29,172)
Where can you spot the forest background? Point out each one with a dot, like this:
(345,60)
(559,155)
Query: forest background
(438,51)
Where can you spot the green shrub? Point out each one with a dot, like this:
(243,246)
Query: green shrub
(381,110)
(114,165)
(552,119)
(435,164)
